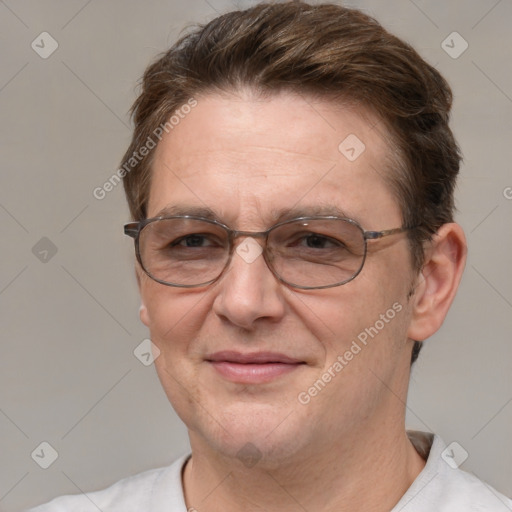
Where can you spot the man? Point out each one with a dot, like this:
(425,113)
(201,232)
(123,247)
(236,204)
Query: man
(291,180)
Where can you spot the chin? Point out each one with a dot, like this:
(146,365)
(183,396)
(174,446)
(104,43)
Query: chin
(254,435)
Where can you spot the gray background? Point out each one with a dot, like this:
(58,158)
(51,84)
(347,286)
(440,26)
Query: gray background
(68,375)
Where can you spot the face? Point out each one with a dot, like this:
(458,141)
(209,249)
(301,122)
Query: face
(250,359)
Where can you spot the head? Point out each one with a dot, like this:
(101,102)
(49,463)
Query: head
(246,116)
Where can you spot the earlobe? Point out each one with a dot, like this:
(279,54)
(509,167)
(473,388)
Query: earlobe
(143,310)
(143,314)
(438,281)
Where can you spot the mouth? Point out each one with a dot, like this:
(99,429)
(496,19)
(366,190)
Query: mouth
(252,368)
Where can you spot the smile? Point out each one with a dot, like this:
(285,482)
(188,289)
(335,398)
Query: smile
(256,368)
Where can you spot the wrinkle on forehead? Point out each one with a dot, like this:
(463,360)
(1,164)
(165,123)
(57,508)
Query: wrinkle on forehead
(272,149)
(249,121)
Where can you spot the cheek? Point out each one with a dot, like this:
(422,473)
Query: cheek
(174,318)
(170,313)
(371,311)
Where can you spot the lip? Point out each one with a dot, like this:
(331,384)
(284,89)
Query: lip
(252,368)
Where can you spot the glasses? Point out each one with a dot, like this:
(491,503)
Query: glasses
(306,252)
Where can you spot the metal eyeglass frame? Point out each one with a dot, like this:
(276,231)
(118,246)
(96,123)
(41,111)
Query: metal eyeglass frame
(133,229)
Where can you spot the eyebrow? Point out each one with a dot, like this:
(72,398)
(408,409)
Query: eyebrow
(276,215)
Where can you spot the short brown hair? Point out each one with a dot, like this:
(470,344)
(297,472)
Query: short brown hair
(328,51)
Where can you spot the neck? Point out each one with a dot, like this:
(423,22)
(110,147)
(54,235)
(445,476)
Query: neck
(363,472)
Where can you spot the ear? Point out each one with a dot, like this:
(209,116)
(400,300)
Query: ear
(143,311)
(438,281)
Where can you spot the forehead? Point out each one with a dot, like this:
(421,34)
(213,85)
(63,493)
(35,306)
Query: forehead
(249,157)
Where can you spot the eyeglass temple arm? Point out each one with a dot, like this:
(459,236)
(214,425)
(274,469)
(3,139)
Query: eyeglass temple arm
(373,235)
(131,229)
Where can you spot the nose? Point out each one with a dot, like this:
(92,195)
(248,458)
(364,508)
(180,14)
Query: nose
(248,292)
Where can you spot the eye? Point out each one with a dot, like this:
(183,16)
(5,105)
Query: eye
(315,241)
(322,242)
(195,240)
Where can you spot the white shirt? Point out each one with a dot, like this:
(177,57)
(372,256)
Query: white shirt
(438,488)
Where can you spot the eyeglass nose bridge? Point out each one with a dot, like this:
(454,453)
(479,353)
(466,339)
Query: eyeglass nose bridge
(233,234)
